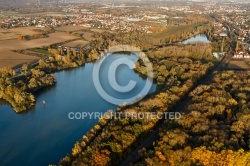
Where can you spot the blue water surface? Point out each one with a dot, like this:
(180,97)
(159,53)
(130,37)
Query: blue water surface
(45,134)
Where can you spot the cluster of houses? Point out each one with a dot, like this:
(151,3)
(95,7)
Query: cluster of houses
(219,54)
(77,50)
(241,55)
(125,23)
(30,21)
(66,51)
(241,25)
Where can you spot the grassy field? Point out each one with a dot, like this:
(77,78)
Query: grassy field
(39,50)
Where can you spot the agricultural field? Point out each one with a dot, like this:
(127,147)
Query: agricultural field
(77,30)
(69,28)
(20,44)
(87,35)
(98,30)
(6,34)
(27,30)
(11,59)
(77,43)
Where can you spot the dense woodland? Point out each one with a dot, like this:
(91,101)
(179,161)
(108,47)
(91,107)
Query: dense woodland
(18,89)
(214,128)
(196,50)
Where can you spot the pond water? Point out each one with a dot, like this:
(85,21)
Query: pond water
(198,38)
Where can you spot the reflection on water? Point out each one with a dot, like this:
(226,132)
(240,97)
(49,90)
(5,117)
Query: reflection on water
(198,38)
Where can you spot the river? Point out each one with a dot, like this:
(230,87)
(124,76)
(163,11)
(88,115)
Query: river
(45,134)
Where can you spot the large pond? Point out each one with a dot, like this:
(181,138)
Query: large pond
(45,134)
(198,38)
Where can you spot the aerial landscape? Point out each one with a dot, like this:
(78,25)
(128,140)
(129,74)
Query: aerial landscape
(123,83)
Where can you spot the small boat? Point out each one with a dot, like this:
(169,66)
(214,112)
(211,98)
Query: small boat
(43,102)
